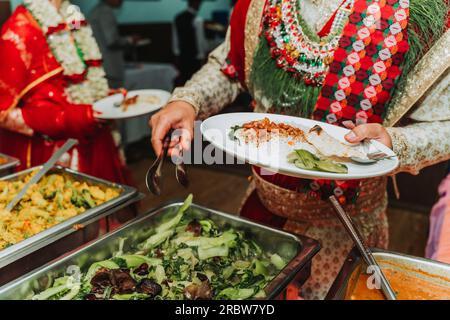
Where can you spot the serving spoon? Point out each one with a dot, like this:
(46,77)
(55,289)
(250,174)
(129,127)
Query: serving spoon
(366,253)
(42,172)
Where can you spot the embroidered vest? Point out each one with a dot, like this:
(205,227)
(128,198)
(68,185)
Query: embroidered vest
(361,77)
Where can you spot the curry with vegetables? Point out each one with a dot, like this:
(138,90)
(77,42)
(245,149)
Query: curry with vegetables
(55,198)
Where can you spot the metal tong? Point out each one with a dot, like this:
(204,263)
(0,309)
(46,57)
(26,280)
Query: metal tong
(363,249)
(154,174)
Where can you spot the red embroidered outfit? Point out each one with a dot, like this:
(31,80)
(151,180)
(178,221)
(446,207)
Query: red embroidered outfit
(36,115)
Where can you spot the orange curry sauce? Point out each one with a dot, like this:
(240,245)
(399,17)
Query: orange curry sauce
(406,286)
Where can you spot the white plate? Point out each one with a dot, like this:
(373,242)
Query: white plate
(108,111)
(273,156)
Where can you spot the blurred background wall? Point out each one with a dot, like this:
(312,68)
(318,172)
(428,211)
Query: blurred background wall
(145,11)
(153,19)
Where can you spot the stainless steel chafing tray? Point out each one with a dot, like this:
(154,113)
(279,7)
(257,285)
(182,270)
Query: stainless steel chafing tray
(429,270)
(299,251)
(13,260)
(7,167)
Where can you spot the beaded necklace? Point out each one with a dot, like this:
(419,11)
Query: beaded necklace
(302,55)
(73,45)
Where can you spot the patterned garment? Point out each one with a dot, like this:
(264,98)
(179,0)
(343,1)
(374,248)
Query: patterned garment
(202,91)
(301,213)
(210,90)
(366,65)
(336,245)
(421,145)
(35,111)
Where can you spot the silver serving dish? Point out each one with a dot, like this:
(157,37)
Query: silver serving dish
(8,167)
(19,259)
(428,270)
(299,251)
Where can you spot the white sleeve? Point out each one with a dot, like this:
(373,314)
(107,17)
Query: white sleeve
(210,90)
(421,145)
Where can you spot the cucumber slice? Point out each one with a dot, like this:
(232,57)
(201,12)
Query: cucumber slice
(299,164)
(333,167)
(304,154)
(306,164)
(305,160)
(292,157)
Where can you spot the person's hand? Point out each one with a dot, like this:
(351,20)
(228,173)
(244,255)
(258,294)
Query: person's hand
(179,116)
(372,131)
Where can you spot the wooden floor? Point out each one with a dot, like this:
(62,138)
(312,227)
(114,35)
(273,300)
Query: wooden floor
(211,188)
(224,190)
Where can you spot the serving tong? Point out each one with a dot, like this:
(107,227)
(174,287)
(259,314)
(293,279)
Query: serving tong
(366,253)
(47,166)
(154,174)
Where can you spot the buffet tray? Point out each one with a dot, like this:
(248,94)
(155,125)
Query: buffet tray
(299,251)
(45,238)
(8,167)
(429,270)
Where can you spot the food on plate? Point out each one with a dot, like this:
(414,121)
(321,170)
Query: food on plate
(139,99)
(263,130)
(406,286)
(304,159)
(55,198)
(316,140)
(127,102)
(183,258)
(270,126)
(314,149)
(330,147)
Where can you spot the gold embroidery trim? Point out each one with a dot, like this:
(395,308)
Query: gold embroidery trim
(434,104)
(432,66)
(252,31)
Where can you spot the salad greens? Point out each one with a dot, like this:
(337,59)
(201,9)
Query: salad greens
(184,258)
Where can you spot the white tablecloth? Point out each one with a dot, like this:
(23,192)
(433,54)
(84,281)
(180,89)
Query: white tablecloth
(145,76)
